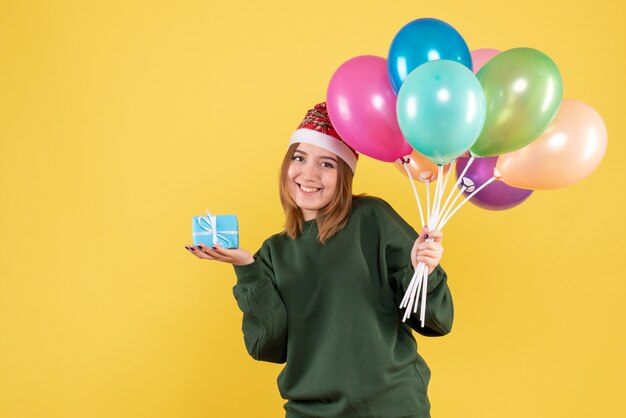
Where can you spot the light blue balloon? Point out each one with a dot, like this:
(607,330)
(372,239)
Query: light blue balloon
(441,110)
(421,41)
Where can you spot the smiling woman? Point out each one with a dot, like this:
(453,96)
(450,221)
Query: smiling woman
(323,295)
(312,178)
(315,184)
(317,158)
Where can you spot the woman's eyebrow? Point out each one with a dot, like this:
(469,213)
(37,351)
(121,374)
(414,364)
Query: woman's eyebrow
(323,156)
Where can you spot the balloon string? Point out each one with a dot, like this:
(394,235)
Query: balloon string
(424,289)
(456,185)
(409,289)
(433,214)
(423,276)
(487,183)
(443,190)
(411,296)
(412,290)
(407,293)
(420,287)
(458,192)
(417,197)
(441,193)
(432,219)
(427,201)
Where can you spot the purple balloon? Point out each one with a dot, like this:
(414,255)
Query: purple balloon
(496,196)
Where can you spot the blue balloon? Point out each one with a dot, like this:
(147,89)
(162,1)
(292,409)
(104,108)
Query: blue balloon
(441,110)
(421,41)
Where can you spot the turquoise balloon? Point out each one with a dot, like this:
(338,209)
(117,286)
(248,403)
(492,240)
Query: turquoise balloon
(441,110)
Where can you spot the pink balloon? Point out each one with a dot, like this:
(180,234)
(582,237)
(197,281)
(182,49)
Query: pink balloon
(481,56)
(362,107)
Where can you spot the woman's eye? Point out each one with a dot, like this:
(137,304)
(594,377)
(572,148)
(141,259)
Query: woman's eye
(297,158)
(328,165)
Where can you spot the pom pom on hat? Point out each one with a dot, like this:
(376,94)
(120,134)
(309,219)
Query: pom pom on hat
(316,129)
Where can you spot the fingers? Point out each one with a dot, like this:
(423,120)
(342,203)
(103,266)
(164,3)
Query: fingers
(221,250)
(429,261)
(198,252)
(436,246)
(423,235)
(214,252)
(435,235)
(414,251)
(234,256)
(427,248)
(207,253)
(430,252)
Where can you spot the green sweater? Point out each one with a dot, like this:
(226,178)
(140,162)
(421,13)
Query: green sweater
(331,313)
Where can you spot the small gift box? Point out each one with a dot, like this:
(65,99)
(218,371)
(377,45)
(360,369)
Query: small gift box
(215,229)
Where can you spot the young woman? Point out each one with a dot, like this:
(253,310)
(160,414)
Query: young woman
(323,295)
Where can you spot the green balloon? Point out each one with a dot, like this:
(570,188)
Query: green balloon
(523,91)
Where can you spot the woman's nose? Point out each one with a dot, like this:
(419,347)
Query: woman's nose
(311,171)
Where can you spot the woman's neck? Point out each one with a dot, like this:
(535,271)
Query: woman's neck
(308,214)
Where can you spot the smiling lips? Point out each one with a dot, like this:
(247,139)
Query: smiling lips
(308,189)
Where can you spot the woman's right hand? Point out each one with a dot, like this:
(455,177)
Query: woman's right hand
(235,256)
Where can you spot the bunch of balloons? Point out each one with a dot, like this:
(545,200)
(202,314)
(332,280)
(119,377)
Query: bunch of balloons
(500,115)
(436,100)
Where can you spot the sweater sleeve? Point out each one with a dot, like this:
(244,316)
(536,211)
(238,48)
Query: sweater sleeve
(398,239)
(264,315)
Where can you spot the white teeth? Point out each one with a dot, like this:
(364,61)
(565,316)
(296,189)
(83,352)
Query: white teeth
(308,189)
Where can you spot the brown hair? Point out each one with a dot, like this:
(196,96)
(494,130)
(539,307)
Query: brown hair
(332,217)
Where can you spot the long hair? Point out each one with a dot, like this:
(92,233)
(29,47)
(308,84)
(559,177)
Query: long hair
(332,217)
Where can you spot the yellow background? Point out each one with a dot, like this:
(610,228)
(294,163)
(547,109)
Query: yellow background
(120,120)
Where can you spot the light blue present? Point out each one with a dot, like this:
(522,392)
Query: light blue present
(215,229)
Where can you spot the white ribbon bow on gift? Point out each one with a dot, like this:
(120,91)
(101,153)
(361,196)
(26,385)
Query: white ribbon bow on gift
(211,228)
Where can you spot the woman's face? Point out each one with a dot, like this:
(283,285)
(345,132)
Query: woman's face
(312,178)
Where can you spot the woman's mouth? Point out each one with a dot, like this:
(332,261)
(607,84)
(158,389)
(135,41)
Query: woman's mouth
(307,189)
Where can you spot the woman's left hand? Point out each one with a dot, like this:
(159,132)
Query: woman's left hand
(427,249)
